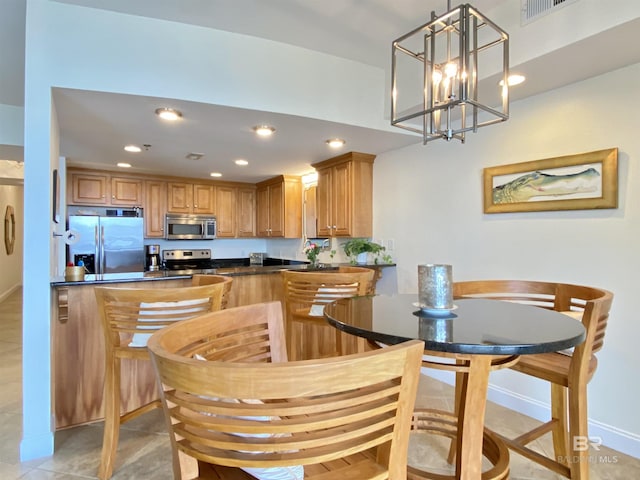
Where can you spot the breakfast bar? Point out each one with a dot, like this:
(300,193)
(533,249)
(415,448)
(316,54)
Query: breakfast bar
(78,343)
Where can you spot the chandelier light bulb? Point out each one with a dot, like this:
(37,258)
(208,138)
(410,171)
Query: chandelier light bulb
(450,70)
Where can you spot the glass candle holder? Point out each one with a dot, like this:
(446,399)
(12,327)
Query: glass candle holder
(435,289)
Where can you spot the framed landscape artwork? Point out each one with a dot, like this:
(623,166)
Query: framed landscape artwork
(572,182)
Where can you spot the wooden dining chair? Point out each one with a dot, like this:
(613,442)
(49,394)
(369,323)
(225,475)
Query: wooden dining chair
(567,372)
(305,295)
(128,317)
(237,409)
(202,279)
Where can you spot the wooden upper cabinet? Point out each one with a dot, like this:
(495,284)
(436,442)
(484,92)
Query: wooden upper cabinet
(204,200)
(226,212)
(190,198)
(246,212)
(126,191)
(89,189)
(155,208)
(279,207)
(345,195)
(103,189)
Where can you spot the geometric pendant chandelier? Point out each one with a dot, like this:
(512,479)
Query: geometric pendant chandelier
(449,76)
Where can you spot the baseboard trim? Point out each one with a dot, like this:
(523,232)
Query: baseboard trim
(36,446)
(6,293)
(612,437)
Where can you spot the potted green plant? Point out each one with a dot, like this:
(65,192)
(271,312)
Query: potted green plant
(358,248)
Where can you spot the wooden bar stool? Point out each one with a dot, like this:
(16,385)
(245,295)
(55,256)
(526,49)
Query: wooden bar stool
(305,295)
(129,316)
(567,372)
(238,410)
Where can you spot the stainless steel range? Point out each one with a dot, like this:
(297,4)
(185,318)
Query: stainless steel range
(198,260)
(188,261)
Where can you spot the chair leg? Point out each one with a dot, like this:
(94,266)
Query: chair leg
(458,399)
(111,419)
(559,414)
(578,433)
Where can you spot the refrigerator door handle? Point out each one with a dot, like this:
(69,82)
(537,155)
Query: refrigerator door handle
(97,259)
(102,259)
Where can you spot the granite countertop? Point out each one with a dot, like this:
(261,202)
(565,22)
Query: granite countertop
(231,271)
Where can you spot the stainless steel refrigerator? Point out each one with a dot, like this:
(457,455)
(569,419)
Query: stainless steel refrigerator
(107,244)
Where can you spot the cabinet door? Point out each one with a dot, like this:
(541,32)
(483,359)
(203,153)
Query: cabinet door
(262,217)
(276,210)
(179,197)
(126,191)
(323,203)
(155,208)
(203,199)
(342,197)
(87,189)
(226,211)
(246,212)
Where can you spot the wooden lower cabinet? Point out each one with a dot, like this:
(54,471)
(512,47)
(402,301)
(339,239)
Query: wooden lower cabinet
(249,289)
(78,346)
(78,357)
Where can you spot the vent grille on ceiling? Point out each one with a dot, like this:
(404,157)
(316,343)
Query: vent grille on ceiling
(534,9)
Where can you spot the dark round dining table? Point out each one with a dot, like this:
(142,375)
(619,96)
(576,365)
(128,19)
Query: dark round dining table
(472,339)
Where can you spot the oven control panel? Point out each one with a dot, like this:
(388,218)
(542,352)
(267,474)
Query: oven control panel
(194,254)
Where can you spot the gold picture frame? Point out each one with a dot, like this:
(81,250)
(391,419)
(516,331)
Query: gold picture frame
(572,182)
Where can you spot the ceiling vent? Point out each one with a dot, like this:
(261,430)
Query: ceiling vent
(534,9)
(194,156)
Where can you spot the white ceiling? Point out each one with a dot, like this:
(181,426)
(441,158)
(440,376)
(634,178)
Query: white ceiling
(361,30)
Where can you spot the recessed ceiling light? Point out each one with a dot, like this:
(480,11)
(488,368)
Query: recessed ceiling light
(215,174)
(124,165)
(335,142)
(264,130)
(170,114)
(242,162)
(512,80)
(132,148)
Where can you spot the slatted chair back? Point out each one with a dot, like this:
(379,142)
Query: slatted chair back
(246,407)
(128,318)
(567,372)
(305,296)
(201,279)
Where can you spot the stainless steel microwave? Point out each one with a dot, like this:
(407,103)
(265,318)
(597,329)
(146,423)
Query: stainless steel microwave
(189,227)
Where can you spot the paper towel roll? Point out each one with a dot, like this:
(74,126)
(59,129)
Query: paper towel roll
(71,237)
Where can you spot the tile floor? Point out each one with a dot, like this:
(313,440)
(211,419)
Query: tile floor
(144,447)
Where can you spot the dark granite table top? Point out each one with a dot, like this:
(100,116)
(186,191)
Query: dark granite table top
(475,326)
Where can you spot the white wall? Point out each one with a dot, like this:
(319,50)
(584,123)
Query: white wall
(11,265)
(428,199)
(91,49)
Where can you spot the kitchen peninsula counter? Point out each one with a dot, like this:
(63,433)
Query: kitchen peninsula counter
(230,271)
(78,343)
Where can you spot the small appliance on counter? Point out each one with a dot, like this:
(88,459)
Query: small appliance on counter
(257,258)
(153,262)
